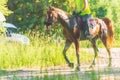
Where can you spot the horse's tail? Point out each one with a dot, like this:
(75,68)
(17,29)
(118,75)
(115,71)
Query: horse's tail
(110,30)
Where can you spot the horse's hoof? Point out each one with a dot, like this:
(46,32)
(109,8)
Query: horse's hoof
(71,65)
(77,68)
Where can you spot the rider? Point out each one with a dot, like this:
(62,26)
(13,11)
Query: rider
(83,10)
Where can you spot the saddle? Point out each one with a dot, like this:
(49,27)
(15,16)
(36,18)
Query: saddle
(83,22)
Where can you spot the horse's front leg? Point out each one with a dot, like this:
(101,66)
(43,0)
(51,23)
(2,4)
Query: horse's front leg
(95,51)
(77,54)
(67,45)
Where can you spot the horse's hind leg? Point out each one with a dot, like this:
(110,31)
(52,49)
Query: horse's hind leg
(95,51)
(67,45)
(110,58)
(104,40)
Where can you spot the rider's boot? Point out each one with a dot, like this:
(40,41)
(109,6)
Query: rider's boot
(86,30)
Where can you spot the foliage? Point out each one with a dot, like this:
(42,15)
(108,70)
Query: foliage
(3,11)
(28,14)
(2,30)
(3,7)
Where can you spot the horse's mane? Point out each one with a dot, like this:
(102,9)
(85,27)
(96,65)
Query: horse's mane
(60,10)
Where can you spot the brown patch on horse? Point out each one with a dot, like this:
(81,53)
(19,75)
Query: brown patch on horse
(76,32)
(106,24)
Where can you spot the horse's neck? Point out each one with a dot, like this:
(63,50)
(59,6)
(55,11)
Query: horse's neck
(63,17)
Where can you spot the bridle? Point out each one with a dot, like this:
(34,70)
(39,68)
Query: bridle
(50,19)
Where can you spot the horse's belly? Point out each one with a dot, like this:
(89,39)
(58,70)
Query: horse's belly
(69,37)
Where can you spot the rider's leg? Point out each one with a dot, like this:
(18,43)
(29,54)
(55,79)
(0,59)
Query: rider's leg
(85,25)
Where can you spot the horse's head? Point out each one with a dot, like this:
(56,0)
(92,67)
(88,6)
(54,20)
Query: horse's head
(51,17)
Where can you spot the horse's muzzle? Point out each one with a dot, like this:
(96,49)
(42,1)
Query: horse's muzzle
(48,25)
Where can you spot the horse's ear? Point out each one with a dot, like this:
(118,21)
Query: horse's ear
(51,7)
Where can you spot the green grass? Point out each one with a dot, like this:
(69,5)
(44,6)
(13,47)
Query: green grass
(40,53)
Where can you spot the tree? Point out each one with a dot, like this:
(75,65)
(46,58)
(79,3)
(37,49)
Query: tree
(28,14)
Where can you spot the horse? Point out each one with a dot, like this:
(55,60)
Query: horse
(73,33)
